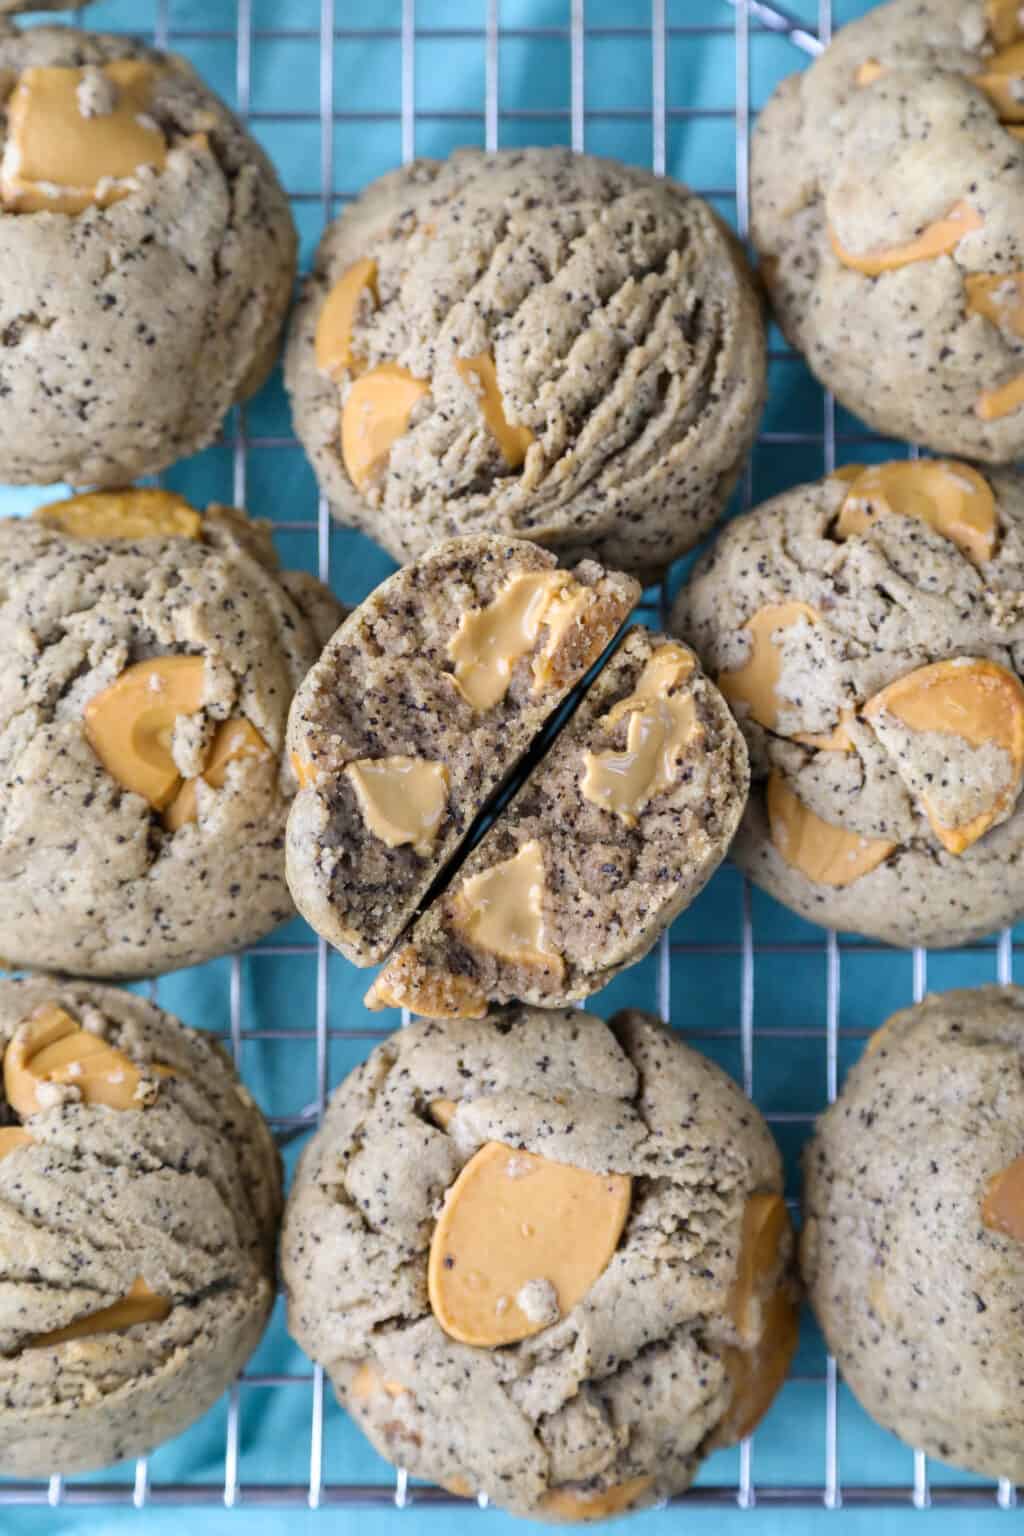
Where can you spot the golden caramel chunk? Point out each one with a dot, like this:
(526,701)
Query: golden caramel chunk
(11,1138)
(130,725)
(765,1224)
(441,1112)
(368,1382)
(826,854)
(78,137)
(140,1305)
(949,496)
(868,72)
(936,239)
(757,1374)
(836,740)
(755,683)
(490,640)
(661,726)
(135,513)
(993,404)
(233,742)
(1002,80)
(303,771)
(972,698)
(1002,1208)
(401,799)
(501,911)
(1005,20)
(333,342)
(999,296)
(511,1222)
(375,415)
(405,982)
(578,1505)
(51,1050)
(1015,130)
(481,375)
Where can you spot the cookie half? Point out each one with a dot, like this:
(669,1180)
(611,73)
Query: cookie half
(868,630)
(913,1241)
(148,657)
(533,344)
(139,1197)
(526,1277)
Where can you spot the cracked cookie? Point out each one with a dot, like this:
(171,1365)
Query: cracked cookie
(887,189)
(148,657)
(140,1192)
(148,254)
(913,1242)
(424,700)
(612,834)
(544,1258)
(529,343)
(868,630)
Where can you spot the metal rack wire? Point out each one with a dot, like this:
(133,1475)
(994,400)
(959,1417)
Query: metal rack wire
(658,29)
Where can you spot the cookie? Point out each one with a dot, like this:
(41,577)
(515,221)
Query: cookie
(868,630)
(887,196)
(422,703)
(612,834)
(527,1275)
(148,657)
(148,254)
(528,343)
(913,1242)
(139,1197)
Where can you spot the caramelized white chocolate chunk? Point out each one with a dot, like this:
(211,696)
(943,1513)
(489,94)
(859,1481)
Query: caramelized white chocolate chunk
(235,741)
(937,239)
(375,415)
(1002,1208)
(402,799)
(513,1219)
(662,724)
(1005,20)
(580,1505)
(51,1052)
(501,910)
(1002,80)
(763,1313)
(490,640)
(130,725)
(826,854)
(139,1305)
(481,375)
(135,513)
(78,137)
(755,684)
(980,704)
(333,343)
(948,496)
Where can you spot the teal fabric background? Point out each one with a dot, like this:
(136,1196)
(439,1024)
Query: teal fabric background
(277,991)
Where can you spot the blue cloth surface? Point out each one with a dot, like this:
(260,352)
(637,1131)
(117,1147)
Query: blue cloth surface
(278,993)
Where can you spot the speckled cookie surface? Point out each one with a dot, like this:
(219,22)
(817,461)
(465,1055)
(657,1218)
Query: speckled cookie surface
(918,1297)
(866,169)
(92,880)
(625,334)
(182,1191)
(880,605)
(610,1406)
(385,688)
(126,332)
(605,884)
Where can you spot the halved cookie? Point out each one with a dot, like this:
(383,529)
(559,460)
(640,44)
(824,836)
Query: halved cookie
(424,700)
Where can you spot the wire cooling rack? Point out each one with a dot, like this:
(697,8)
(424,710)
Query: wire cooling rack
(352,87)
